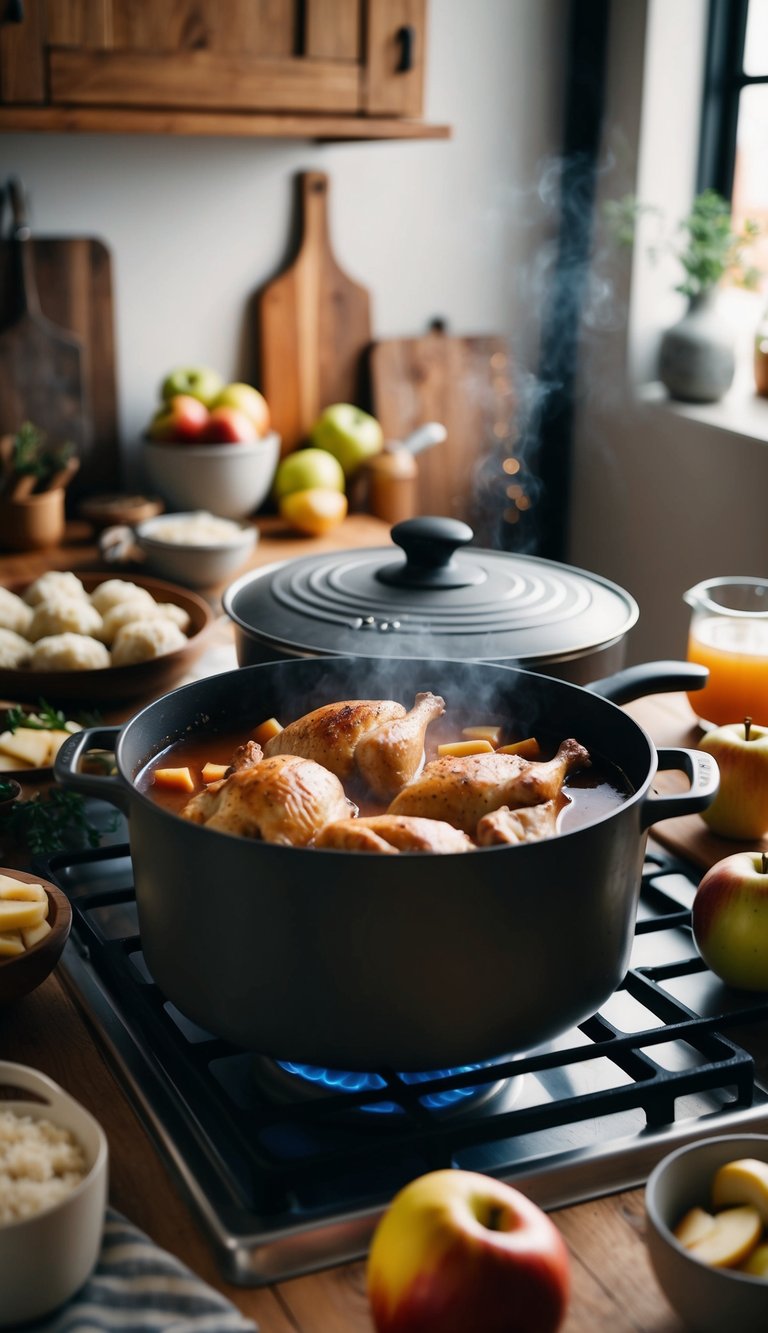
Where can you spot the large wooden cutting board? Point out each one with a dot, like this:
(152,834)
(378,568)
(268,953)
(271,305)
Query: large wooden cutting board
(74,284)
(314,326)
(465,383)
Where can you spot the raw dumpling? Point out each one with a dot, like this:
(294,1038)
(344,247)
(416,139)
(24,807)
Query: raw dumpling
(143,639)
(14,612)
(64,615)
(175,613)
(69,652)
(56,582)
(15,652)
(112,591)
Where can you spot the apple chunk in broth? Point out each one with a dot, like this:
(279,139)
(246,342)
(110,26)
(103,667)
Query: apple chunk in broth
(586,796)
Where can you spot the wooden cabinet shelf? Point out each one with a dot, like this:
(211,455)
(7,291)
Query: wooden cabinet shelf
(278,125)
(308,69)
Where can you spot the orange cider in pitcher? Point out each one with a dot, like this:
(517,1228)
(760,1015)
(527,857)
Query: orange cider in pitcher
(736,652)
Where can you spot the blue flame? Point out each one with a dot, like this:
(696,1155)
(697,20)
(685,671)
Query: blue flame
(344,1081)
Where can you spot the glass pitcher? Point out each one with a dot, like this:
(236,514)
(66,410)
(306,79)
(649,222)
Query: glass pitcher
(729,634)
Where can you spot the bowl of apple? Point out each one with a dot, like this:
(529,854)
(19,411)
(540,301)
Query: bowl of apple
(209,445)
(706,1210)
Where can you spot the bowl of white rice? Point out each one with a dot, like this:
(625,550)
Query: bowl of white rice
(53,1194)
(196,548)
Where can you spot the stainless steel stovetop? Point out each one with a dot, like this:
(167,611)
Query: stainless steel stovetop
(290,1171)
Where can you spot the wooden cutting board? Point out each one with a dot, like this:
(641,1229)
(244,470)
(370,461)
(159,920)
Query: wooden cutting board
(465,383)
(314,326)
(74,284)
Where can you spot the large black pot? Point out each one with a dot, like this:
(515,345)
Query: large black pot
(436,597)
(415,962)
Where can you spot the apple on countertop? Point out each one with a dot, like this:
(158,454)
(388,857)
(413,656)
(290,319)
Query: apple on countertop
(730,920)
(740,808)
(461,1252)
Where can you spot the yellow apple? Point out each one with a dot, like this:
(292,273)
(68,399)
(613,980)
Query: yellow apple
(315,511)
(696,1224)
(742,1181)
(461,1252)
(735,1234)
(248,400)
(757,1262)
(740,808)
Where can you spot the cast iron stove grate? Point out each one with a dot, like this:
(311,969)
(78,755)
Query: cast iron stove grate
(286,1184)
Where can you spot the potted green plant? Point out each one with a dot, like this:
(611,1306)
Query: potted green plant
(34,473)
(696,355)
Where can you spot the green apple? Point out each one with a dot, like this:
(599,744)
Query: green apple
(461,1252)
(245,399)
(198,381)
(308,470)
(730,920)
(740,809)
(351,435)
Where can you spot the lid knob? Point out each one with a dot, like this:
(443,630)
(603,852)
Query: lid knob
(429,544)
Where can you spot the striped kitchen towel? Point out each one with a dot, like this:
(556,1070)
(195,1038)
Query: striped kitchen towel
(137,1287)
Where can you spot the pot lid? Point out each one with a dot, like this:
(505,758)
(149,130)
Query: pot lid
(436,597)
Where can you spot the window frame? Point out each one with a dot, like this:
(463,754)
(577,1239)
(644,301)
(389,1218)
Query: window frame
(724,82)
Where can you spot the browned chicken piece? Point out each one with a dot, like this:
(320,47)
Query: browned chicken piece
(284,799)
(376,738)
(390,755)
(392,834)
(462,790)
(529,823)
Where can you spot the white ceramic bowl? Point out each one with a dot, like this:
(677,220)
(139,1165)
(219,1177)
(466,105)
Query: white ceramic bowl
(46,1258)
(195,563)
(707,1299)
(230,480)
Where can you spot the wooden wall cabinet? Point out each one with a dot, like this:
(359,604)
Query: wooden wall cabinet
(319,69)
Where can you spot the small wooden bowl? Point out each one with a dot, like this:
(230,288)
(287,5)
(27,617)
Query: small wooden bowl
(21,974)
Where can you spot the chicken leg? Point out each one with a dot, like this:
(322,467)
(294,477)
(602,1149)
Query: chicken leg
(392,834)
(376,739)
(529,823)
(461,790)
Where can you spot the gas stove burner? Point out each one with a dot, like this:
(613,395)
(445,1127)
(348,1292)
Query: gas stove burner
(292,1081)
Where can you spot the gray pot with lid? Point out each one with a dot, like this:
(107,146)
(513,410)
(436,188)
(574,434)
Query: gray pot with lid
(432,594)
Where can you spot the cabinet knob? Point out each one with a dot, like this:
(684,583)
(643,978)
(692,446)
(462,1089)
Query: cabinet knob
(406,39)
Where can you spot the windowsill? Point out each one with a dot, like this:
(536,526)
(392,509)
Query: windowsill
(740,411)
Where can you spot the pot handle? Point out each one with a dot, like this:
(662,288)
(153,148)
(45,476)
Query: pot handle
(704,777)
(66,765)
(649,678)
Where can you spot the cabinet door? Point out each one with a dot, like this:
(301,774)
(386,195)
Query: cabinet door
(394,57)
(206,55)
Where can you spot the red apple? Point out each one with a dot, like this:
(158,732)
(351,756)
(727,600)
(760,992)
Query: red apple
(246,399)
(461,1252)
(227,425)
(730,920)
(740,809)
(181,418)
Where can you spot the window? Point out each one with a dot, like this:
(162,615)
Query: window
(734,144)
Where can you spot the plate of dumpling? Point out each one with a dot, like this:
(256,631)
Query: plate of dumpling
(97,638)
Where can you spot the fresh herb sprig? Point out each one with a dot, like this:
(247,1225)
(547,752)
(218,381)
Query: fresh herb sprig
(50,821)
(46,718)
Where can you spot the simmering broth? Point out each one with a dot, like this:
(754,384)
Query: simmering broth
(587,795)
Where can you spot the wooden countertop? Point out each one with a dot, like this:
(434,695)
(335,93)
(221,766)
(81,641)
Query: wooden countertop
(614,1290)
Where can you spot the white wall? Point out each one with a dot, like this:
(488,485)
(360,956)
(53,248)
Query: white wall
(660,500)
(431,228)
